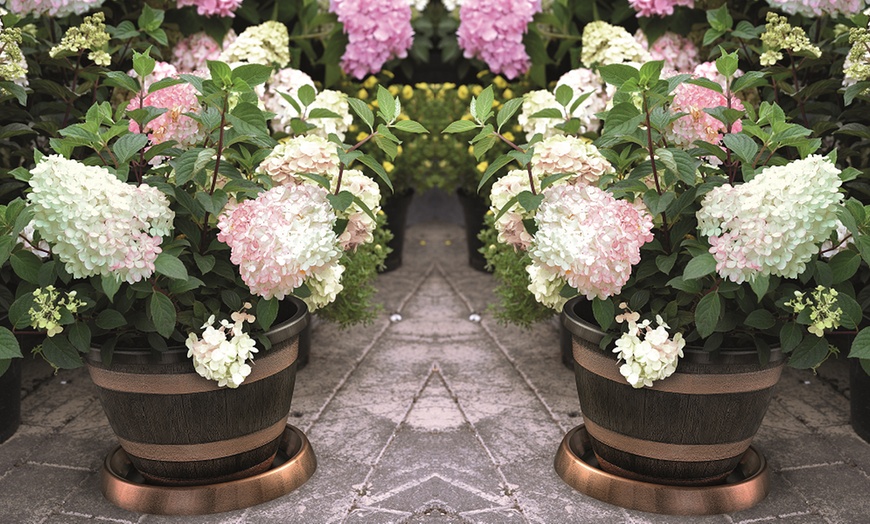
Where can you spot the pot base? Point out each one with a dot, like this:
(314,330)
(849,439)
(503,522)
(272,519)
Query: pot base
(124,486)
(577,466)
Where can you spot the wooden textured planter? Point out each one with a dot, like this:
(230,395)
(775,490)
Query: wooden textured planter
(181,429)
(691,428)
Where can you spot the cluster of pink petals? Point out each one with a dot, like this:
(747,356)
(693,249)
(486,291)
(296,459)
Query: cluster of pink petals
(697,124)
(678,52)
(306,154)
(559,154)
(589,238)
(646,8)
(281,238)
(223,8)
(173,124)
(813,8)
(492,30)
(192,52)
(56,8)
(377,30)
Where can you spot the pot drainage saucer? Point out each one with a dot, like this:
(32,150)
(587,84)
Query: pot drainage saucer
(124,487)
(576,465)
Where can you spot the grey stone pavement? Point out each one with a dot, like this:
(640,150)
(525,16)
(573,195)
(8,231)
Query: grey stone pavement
(434,418)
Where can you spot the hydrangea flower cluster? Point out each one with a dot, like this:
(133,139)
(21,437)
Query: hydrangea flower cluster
(773,224)
(605,44)
(535,101)
(509,225)
(90,35)
(334,101)
(582,81)
(48,309)
(301,154)
(856,68)
(281,239)
(221,8)
(288,81)
(266,44)
(650,358)
(53,8)
(824,311)
(173,124)
(419,5)
(492,30)
(815,8)
(192,52)
(568,154)
(590,238)
(13,66)
(360,226)
(222,353)
(96,224)
(546,285)
(697,124)
(778,35)
(377,30)
(678,52)
(647,8)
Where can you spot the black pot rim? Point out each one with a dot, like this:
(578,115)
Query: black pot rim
(283,331)
(591,333)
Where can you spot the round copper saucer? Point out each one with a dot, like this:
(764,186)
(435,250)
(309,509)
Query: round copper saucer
(124,487)
(577,466)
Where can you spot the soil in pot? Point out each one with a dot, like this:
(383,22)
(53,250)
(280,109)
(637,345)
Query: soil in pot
(474,208)
(689,429)
(181,429)
(396,208)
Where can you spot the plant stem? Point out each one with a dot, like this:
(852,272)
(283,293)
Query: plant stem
(797,87)
(521,150)
(341,166)
(75,82)
(652,159)
(217,165)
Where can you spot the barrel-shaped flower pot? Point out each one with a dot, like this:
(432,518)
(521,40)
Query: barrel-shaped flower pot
(690,429)
(179,428)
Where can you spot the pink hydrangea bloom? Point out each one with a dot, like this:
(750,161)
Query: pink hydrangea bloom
(377,30)
(224,8)
(173,124)
(813,8)
(190,53)
(281,238)
(648,8)
(492,30)
(678,52)
(54,8)
(774,223)
(708,70)
(697,124)
(568,154)
(309,154)
(589,238)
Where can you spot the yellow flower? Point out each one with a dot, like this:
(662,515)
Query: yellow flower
(518,128)
(422,85)
(394,90)
(370,82)
(388,166)
(470,150)
(388,74)
(448,85)
(362,94)
(508,94)
(476,89)
(407,92)
(509,136)
(361,136)
(467,116)
(352,128)
(482,166)
(499,82)
(462,92)
(399,150)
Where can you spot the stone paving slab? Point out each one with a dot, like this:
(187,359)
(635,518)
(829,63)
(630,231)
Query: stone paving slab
(434,418)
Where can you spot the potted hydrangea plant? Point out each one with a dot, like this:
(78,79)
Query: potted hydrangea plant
(693,231)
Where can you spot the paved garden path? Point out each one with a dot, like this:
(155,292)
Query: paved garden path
(434,418)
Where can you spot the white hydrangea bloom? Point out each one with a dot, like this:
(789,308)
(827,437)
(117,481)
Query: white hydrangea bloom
(648,354)
(336,102)
(287,81)
(605,44)
(419,5)
(546,284)
(568,154)
(535,101)
(96,224)
(222,353)
(582,81)
(451,5)
(510,225)
(360,225)
(773,224)
(267,44)
(301,154)
(325,285)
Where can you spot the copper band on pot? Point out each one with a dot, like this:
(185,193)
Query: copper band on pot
(205,450)
(664,450)
(601,364)
(161,384)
